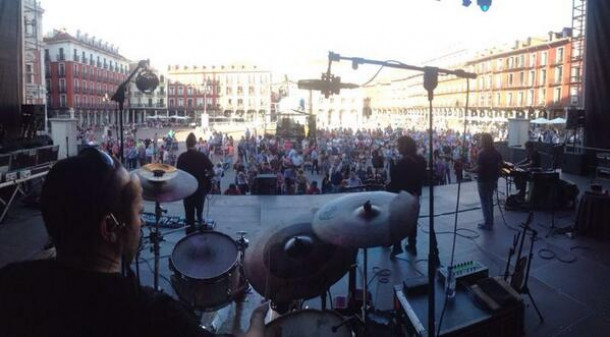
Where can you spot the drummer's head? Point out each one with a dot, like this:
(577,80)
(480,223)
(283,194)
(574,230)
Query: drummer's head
(90,205)
(191,141)
(406,145)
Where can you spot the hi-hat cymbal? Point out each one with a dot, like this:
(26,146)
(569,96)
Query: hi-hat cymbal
(293,263)
(177,185)
(368,219)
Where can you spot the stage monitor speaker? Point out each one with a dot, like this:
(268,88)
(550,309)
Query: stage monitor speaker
(545,190)
(574,163)
(576,119)
(265,184)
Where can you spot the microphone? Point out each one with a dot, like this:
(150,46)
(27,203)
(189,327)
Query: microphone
(328,85)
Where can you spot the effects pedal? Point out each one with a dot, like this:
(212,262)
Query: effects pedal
(469,272)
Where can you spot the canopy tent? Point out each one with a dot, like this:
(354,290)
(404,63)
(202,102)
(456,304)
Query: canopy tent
(540,121)
(557,120)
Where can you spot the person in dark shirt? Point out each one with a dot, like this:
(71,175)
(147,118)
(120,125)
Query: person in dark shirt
(532,161)
(90,206)
(489,164)
(408,174)
(200,167)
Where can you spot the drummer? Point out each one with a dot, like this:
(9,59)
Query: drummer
(90,206)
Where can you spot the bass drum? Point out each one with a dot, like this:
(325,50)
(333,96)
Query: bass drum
(308,322)
(206,272)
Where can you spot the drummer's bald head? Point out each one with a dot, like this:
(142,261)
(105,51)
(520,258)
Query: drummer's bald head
(81,191)
(191,140)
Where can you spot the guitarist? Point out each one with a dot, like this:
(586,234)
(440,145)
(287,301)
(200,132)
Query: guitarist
(199,166)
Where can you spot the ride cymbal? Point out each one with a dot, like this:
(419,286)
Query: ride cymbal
(368,219)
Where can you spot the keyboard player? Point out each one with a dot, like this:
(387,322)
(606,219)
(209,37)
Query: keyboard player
(531,162)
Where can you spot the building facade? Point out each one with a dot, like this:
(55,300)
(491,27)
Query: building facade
(82,74)
(34,91)
(231,91)
(530,79)
(145,107)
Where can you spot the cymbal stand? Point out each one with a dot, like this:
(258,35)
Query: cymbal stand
(156,238)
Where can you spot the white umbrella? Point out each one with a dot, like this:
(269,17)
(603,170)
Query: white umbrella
(540,121)
(557,120)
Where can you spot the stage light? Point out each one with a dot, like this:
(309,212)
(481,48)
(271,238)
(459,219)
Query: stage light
(484,4)
(466,3)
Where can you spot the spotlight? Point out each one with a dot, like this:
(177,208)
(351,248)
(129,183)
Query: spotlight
(466,3)
(484,4)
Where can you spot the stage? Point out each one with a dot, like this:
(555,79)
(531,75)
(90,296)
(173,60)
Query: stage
(570,289)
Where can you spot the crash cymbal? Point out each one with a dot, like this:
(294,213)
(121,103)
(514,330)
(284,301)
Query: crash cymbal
(166,187)
(368,219)
(293,263)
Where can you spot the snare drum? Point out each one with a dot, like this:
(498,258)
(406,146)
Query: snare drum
(206,270)
(308,322)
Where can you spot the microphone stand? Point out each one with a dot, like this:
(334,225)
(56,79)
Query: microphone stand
(119,97)
(430,83)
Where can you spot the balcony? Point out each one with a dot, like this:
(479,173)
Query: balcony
(75,58)
(61,57)
(62,89)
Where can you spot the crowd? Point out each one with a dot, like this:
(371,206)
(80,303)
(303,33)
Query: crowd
(337,160)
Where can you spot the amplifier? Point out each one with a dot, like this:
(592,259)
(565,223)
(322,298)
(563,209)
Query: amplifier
(603,160)
(469,272)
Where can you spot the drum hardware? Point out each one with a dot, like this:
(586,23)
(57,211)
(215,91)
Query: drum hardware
(365,220)
(309,322)
(163,183)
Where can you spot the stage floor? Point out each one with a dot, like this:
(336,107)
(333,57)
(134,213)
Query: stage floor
(570,289)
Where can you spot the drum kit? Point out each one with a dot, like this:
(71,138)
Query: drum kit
(286,265)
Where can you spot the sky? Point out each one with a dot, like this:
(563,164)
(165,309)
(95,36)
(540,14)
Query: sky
(294,37)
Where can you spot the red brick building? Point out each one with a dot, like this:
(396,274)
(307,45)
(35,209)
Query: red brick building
(82,73)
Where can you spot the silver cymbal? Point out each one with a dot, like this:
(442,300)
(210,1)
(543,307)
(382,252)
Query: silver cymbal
(368,219)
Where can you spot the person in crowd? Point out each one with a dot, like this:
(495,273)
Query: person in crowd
(301,182)
(90,206)
(241,179)
(407,174)
(219,173)
(489,164)
(313,155)
(199,166)
(232,190)
(313,188)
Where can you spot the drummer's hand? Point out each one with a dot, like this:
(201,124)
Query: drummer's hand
(257,322)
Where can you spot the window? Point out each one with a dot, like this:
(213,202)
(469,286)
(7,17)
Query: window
(62,85)
(574,95)
(83,58)
(543,59)
(171,102)
(531,79)
(171,90)
(558,74)
(499,64)
(181,102)
(521,78)
(180,90)
(520,98)
(509,99)
(533,60)
(76,101)
(542,97)
(199,101)
(48,85)
(498,81)
(240,102)
(510,79)
(575,74)
(189,91)
(509,62)
(559,56)
(29,73)
(76,88)
(530,97)
(557,95)
(62,101)
(542,77)
(62,69)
